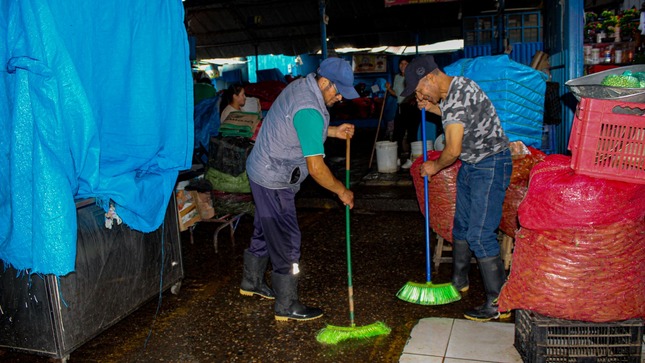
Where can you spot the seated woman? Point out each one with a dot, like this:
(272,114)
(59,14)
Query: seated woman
(234,99)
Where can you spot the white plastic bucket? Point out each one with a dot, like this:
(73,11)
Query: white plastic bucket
(386,156)
(416,148)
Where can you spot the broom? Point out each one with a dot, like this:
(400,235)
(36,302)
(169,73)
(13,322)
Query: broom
(335,334)
(427,293)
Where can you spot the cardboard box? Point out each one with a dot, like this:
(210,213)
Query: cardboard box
(243,119)
(187,207)
(204,204)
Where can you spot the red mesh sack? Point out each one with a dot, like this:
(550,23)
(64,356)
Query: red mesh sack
(558,198)
(442,195)
(514,196)
(524,158)
(591,274)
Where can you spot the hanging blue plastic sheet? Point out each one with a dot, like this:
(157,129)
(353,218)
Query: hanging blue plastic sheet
(207,121)
(516,90)
(95,102)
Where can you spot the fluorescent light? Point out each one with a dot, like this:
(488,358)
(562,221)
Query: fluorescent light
(440,47)
(223,61)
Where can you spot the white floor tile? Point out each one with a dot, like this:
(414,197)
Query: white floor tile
(489,342)
(457,360)
(429,337)
(414,358)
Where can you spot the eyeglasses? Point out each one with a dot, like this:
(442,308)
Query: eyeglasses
(335,89)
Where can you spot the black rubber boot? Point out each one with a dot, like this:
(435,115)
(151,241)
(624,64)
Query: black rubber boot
(253,277)
(494,276)
(287,305)
(461,256)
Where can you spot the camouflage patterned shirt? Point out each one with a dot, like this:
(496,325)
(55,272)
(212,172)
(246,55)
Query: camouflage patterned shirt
(468,105)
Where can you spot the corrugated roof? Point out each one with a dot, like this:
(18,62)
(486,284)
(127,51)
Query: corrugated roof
(234,28)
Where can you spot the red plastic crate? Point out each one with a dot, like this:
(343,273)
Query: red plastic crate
(608,140)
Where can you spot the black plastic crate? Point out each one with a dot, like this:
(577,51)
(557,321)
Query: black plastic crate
(542,339)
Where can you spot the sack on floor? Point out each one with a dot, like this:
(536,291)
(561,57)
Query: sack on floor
(442,195)
(591,274)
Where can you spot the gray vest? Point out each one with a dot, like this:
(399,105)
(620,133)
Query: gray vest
(276,161)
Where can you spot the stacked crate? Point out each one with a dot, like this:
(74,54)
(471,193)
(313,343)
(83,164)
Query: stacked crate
(608,140)
(608,135)
(541,339)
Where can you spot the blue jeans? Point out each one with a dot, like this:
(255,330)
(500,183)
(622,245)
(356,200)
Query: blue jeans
(481,188)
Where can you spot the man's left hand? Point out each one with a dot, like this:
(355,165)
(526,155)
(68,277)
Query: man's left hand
(345,131)
(429,168)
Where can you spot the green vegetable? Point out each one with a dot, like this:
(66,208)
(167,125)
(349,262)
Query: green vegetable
(625,81)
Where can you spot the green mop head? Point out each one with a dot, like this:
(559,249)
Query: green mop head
(335,334)
(428,294)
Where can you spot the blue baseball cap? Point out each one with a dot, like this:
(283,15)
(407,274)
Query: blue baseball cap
(417,69)
(340,73)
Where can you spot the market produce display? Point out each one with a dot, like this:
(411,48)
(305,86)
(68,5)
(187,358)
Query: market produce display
(514,196)
(627,79)
(442,190)
(580,252)
(442,195)
(559,198)
(589,274)
(524,159)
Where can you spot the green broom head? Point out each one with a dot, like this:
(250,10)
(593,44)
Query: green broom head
(428,293)
(335,334)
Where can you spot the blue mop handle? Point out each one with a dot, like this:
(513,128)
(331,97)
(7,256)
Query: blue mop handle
(425,195)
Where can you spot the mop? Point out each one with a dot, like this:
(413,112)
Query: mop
(427,293)
(335,334)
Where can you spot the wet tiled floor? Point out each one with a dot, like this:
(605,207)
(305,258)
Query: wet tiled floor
(209,321)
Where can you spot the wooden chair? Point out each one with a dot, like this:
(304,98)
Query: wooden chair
(506,251)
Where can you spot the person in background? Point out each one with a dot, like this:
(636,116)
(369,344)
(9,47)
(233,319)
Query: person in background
(234,99)
(473,134)
(407,117)
(202,87)
(289,147)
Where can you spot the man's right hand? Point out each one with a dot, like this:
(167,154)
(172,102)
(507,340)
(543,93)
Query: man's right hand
(429,106)
(347,197)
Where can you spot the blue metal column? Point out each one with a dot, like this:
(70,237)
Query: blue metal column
(323,29)
(564,21)
(574,23)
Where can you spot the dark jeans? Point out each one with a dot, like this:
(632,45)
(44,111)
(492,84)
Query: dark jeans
(481,189)
(275,227)
(408,118)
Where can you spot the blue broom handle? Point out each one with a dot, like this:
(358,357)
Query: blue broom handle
(350,288)
(425,195)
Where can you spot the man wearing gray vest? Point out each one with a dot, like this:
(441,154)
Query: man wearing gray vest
(289,147)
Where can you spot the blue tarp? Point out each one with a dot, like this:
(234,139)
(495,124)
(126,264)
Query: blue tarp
(96,101)
(516,90)
(207,121)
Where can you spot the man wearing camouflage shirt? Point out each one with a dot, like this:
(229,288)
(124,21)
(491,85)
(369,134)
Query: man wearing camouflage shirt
(474,135)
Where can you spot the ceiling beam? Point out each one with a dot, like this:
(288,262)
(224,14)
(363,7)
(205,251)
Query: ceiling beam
(260,28)
(314,36)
